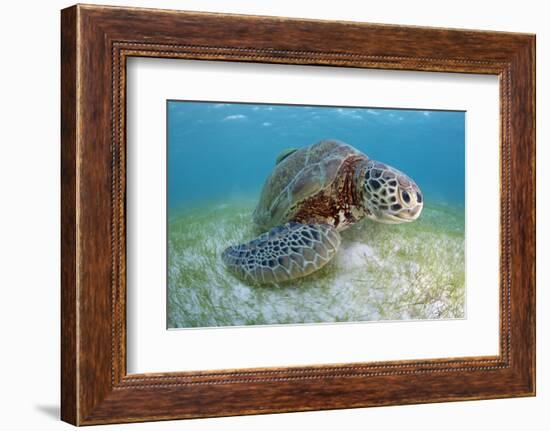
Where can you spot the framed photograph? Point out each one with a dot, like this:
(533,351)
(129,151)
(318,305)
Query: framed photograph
(264,214)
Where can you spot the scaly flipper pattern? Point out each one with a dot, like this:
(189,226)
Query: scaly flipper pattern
(284,253)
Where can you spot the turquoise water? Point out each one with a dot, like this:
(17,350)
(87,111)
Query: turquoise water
(219,155)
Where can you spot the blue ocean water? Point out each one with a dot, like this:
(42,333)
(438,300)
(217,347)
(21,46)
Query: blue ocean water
(226,150)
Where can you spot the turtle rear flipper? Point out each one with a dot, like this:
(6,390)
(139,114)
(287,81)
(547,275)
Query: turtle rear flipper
(284,253)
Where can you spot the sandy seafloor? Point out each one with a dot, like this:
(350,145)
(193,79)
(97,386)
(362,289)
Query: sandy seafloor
(381,272)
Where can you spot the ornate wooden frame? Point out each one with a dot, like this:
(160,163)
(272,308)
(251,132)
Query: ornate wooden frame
(95,43)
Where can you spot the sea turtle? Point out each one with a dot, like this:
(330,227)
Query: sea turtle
(313,193)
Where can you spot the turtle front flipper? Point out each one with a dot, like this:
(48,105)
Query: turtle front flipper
(284,253)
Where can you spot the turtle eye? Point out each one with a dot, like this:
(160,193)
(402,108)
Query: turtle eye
(406,197)
(419,197)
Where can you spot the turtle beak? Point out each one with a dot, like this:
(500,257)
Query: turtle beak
(414,212)
(404,216)
(409,214)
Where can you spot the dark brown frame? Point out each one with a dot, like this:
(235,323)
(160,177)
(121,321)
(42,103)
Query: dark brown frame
(95,43)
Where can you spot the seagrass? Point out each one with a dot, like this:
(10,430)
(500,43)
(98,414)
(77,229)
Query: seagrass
(96,41)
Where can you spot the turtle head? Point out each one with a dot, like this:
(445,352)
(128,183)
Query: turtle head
(390,196)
